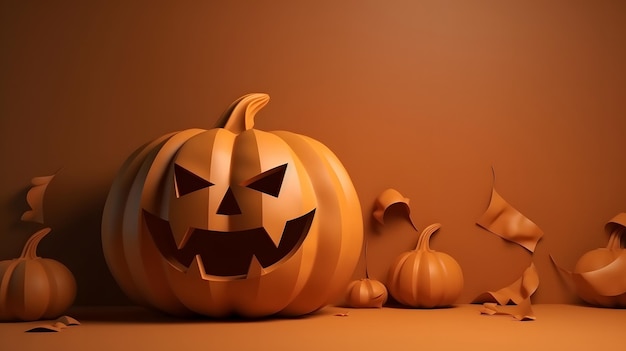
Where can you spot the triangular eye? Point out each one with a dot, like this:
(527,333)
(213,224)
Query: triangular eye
(268,182)
(187,182)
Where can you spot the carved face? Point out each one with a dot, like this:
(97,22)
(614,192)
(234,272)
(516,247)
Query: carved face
(237,203)
(233,220)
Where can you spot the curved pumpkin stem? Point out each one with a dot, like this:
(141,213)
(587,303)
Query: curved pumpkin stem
(239,116)
(423,243)
(615,240)
(30,248)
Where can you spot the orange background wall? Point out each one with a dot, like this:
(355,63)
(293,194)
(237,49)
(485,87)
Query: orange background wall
(422,96)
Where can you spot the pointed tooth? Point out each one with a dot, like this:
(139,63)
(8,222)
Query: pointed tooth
(196,268)
(255,270)
(275,230)
(181,235)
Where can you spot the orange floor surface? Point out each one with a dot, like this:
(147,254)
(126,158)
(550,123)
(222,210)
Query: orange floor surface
(557,327)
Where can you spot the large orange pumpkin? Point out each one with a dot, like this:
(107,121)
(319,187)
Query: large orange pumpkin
(233,220)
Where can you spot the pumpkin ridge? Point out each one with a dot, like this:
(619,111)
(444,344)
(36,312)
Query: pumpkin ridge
(4,290)
(36,297)
(323,167)
(113,215)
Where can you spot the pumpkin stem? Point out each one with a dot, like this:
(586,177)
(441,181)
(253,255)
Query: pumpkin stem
(30,248)
(423,243)
(615,240)
(239,116)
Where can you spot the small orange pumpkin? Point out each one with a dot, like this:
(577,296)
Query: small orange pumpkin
(598,274)
(32,287)
(425,278)
(233,220)
(366,293)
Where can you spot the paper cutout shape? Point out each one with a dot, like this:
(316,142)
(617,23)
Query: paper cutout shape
(388,198)
(34,197)
(599,276)
(67,320)
(233,220)
(517,292)
(504,220)
(46,328)
(56,326)
(522,312)
(425,278)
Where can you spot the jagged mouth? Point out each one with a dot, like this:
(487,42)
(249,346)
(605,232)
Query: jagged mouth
(228,254)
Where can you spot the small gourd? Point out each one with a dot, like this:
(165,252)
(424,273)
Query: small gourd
(33,288)
(425,278)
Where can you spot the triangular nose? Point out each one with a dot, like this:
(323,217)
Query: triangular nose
(229,204)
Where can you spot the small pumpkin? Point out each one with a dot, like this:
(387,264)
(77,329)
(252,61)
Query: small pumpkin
(32,287)
(366,292)
(598,274)
(233,220)
(425,278)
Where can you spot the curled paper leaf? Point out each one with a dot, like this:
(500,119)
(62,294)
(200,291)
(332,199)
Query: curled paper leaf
(521,312)
(504,220)
(47,328)
(67,320)
(58,325)
(599,276)
(388,198)
(517,292)
(34,197)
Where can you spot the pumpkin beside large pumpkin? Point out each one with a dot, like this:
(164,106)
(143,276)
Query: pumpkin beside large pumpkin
(32,287)
(233,220)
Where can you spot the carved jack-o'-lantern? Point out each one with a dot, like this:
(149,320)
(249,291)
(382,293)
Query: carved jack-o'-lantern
(233,220)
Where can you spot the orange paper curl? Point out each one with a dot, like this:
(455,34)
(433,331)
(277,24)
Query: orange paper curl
(521,312)
(388,198)
(34,197)
(518,292)
(504,220)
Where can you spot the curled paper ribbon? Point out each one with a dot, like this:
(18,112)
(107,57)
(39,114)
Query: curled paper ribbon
(388,198)
(34,197)
(504,220)
(521,312)
(517,292)
(56,326)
